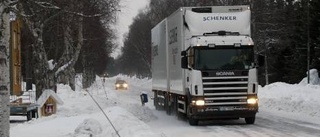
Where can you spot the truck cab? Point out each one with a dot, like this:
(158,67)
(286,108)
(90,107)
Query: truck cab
(222,77)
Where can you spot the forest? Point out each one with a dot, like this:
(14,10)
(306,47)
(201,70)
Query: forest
(61,38)
(285,32)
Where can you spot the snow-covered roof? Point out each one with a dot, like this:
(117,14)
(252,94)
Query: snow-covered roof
(46,94)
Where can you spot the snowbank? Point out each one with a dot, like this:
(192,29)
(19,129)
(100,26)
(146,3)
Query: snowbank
(79,116)
(301,99)
(314,78)
(291,98)
(88,127)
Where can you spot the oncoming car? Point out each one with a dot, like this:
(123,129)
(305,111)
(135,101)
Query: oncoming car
(121,84)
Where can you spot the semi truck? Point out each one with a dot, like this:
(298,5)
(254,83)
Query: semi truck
(203,64)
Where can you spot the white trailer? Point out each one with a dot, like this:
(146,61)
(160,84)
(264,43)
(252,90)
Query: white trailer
(203,64)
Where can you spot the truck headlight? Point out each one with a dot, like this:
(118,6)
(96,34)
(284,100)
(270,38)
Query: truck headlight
(252,101)
(117,85)
(198,102)
(125,85)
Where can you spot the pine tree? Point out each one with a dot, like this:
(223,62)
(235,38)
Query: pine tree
(315,33)
(297,63)
(270,36)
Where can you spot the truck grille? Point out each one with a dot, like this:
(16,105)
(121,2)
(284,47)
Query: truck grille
(224,91)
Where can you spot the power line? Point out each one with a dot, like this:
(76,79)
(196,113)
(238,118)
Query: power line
(104,114)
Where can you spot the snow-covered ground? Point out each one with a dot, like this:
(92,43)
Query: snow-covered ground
(79,116)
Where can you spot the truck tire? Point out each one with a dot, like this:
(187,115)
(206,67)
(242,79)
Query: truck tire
(156,101)
(34,114)
(250,120)
(175,105)
(29,115)
(193,122)
(167,104)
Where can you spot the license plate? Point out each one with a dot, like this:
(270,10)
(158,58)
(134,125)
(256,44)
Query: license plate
(226,108)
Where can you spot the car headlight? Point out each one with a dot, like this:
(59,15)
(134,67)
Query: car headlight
(198,102)
(117,85)
(125,85)
(252,101)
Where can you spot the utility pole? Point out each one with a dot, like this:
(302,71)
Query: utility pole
(266,58)
(308,42)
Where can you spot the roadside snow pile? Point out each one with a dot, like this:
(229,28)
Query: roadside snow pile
(88,127)
(128,125)
(79,116)
(299,98)
(291,98)
(314,78)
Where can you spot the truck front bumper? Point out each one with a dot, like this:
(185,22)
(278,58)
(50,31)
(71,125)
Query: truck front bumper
(221,112)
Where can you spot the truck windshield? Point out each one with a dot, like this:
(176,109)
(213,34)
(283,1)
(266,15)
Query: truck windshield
(223,59)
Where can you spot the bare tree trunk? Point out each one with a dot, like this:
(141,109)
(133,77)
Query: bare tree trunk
(77,52)
(266,61)
(40,62)
(73,54)
(4,69)
(266,69)
(44,76)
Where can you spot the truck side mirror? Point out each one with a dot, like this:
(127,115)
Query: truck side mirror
(184,62)
(260,60)
(183,53)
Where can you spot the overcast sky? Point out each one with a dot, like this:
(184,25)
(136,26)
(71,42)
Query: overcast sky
(129,9)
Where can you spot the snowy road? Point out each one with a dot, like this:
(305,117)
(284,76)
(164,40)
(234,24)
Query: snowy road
(131,119)
(267,124)
(272,125)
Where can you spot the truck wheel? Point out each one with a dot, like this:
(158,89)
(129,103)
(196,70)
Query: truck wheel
(29,115)
(155,100)
(34,114)
(167,105)
(175,105)
(193,122)
(250,120)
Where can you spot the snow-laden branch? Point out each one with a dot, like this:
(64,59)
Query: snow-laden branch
(13,2)
(51,64)
(84,15)
(90,16)
(47,5)
(62,68)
